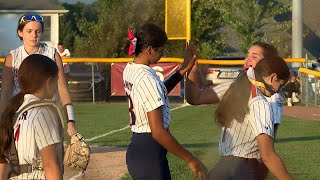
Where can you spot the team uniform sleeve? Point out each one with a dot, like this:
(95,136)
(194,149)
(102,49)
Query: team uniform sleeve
(151,93)
(276,105)
(46,128)
(221,89)
(261,118)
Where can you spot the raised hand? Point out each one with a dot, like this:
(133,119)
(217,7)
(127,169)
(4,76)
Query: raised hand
(189,59)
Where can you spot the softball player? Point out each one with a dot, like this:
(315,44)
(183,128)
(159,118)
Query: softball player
(149,111)
(37,132)
(29,30)
(247,124)
(256,52)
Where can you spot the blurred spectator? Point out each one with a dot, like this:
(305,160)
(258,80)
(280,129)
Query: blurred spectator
(293,88)
(64,53)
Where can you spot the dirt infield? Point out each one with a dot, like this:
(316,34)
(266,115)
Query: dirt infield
(108,163)
(302,112)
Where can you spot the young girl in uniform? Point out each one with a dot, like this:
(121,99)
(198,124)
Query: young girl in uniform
(247,123)
(256,52)
(37,132)
(30,30)
(149,110)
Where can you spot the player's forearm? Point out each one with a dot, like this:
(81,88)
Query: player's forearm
(63,92)
(192,91)
(52,172)
(165,139)
(50,163)
(276,167)
(2,168)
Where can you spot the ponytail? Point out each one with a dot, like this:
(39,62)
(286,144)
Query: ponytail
(234,104)
(6,124)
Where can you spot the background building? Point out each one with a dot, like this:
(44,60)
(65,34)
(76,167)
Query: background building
(10,12)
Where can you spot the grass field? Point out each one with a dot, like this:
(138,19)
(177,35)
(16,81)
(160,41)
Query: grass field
(298,141)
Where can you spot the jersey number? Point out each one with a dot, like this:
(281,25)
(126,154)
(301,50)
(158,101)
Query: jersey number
(131,112)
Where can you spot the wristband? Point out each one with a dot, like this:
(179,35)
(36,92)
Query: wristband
(172,81)
(69,112)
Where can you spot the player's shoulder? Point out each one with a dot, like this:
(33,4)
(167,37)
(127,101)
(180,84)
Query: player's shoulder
(258,100)
(16,51)
(41,110)
(8,59)
(138,70)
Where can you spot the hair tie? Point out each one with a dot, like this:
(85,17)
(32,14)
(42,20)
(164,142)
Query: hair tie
(133,42)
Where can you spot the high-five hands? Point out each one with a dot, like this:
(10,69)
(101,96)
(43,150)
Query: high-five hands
(189,59)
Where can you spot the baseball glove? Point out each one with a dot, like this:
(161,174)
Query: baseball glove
(77,154)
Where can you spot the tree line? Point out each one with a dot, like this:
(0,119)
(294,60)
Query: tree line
(219,27)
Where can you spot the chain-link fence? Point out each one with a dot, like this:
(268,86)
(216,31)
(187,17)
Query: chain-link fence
(310,89)
(92,82)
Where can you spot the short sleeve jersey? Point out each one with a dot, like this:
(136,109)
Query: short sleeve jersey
(275,100)
(240,138)
(34,130)
(19,54)
(146,92)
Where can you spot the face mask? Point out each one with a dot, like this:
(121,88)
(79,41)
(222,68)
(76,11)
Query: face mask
(262,84)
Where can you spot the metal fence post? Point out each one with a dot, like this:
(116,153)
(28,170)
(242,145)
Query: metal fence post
(92,84)
(316,93)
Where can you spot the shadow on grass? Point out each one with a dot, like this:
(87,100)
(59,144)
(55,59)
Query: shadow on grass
(292,139)
(201,145)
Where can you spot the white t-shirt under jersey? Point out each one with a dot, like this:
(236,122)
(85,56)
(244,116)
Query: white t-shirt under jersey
(276,105)
(146,92)
(65,53)
(34,130)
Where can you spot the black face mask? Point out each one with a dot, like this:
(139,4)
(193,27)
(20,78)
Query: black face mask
(267,86)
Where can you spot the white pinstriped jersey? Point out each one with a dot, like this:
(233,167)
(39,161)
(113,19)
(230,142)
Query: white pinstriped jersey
(19,54)
(240,138)
(35,129)
(146,92)
(275,100)
(221,89)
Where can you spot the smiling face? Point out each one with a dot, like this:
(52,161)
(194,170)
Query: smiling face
(254,55)
(31,34)
(60,48)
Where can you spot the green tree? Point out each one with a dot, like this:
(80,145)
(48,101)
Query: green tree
(253,20)
(71,24)
(206,23)
(108,36)
(104,32)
